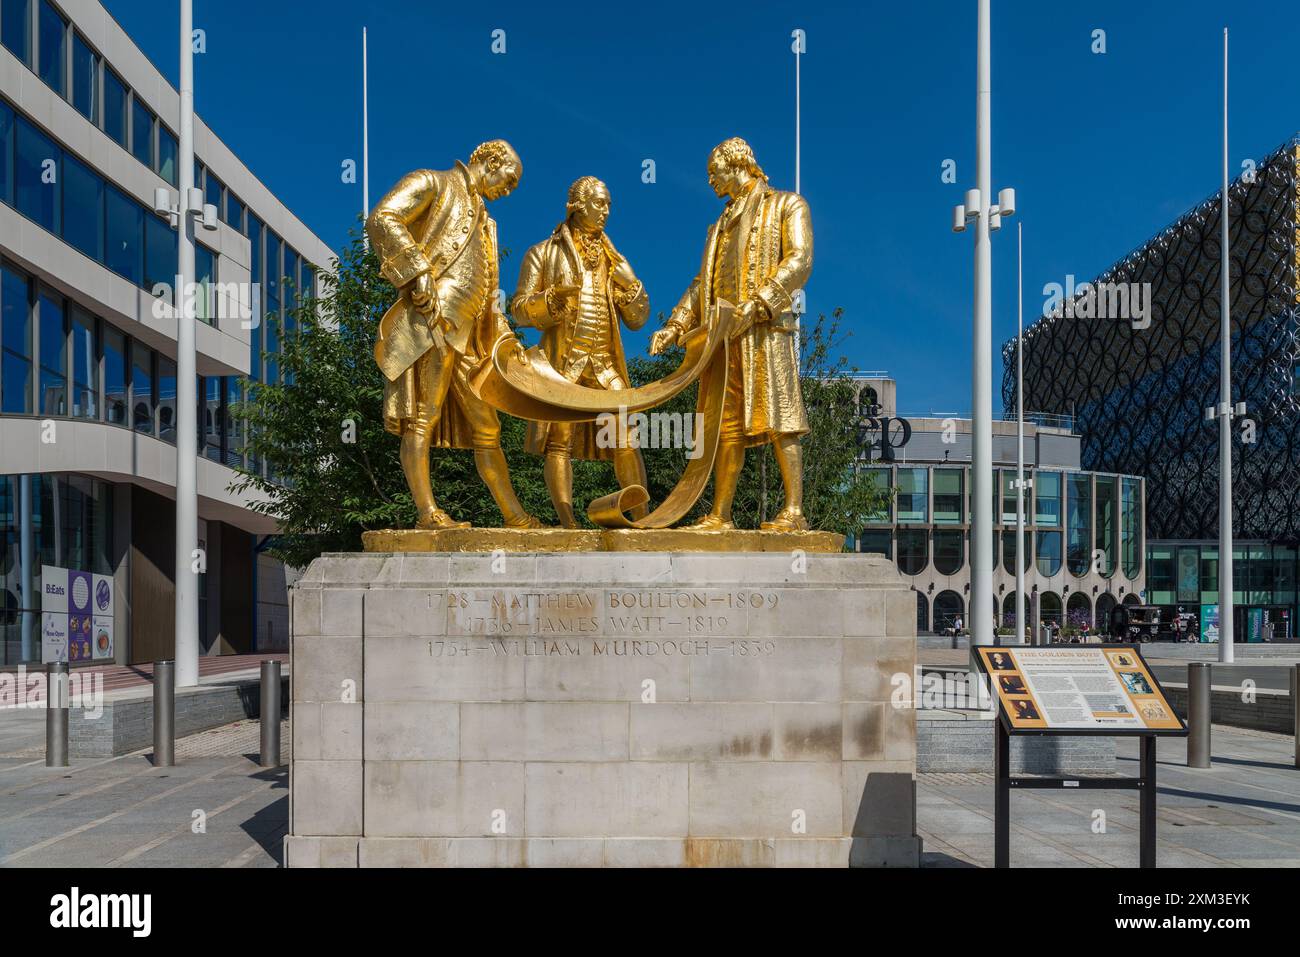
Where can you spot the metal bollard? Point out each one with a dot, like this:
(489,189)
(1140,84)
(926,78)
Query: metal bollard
(1198,714)
(56,714)
(270,715)
(164,714)
(1295,710)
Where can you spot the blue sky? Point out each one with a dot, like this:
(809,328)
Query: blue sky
(1104,149)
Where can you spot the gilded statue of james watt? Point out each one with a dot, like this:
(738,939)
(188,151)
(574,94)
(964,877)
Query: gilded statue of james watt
(758,255)
(438,246)
(575,287)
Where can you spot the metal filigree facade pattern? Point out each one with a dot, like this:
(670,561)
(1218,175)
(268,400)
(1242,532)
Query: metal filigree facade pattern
(1140,394)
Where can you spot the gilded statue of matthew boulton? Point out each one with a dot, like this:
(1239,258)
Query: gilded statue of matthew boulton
(438,246)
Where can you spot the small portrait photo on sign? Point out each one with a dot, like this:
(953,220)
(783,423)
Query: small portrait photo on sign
(1122,659)
(1135,682)
(1024,710)
(1012,684)
(1153,710)
(1001,661)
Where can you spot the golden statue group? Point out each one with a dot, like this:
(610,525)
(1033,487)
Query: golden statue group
(451,362)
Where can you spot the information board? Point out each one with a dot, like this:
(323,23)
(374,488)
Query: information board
(1104,689)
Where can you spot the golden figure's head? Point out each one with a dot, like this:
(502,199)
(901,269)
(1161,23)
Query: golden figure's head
(588,207)
(732,166)
(495,168)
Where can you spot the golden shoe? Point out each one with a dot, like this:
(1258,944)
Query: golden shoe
(439,519)
(710,523)
(528,521)
(788,520)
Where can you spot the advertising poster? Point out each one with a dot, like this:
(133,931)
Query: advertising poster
(1077,688)
(54,614)
(103,592)
(54,636)
(80,613)
(102,634)
(1209,623)
(1189,574)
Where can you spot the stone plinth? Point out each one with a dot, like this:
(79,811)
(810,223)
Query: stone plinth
(601,709)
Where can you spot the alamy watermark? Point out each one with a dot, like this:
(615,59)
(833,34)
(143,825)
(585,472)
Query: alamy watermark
(655,430)
(1129,301)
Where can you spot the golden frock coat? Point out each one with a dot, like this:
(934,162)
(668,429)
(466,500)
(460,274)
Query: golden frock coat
(775,228)
(554,262)
(424,225)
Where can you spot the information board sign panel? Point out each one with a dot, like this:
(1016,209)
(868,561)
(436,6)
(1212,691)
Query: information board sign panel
(1098,689)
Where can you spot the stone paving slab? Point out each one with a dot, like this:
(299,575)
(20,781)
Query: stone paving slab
(124,812)
(1244,811)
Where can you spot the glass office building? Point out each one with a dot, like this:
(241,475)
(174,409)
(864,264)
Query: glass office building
(1139,388)
(88,339)
(1084,531)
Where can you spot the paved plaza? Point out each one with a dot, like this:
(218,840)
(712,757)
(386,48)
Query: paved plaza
(122,812)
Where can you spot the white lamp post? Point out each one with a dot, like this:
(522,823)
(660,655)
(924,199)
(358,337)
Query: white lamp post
(181,210)
(1225,411)
(1021,484)
(987,217)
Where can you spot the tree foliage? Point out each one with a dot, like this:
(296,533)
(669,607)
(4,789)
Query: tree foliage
(322,464)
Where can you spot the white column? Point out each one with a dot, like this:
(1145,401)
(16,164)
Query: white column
(187,514)
(1225,402)
(981,603)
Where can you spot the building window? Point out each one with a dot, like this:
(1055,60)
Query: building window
(1130,527)
(168,154)
(949,548)
(234,211)
(211,424)
(1008,497)
(205,275)
(231,425)
(913,550)
(115,108)
(948,608)
(913,494)
(1048,554)
(1009,551)
(212,194)
(160,262)
(1105,605)
(1079,518)
(142,389)
(1209,574)
(85,79)
(6,154)
(948,496)
(880,478)
(1078,611)
(166,399)
(85,366)
(37,181)
(124,240)
(16,28)
(142,124)
(922,614)
(1049,608)
(15,343)
(255,231)
(115,392)
(1104,541)
(1047,499)
(83,209)
(53,51)
(876,542)
(53,346)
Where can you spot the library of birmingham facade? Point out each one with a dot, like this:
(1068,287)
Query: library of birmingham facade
(1138,389)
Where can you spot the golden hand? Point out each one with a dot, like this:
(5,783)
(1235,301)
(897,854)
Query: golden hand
(424,295)
(662,339)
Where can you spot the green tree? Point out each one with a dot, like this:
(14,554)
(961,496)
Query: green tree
(325,468)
